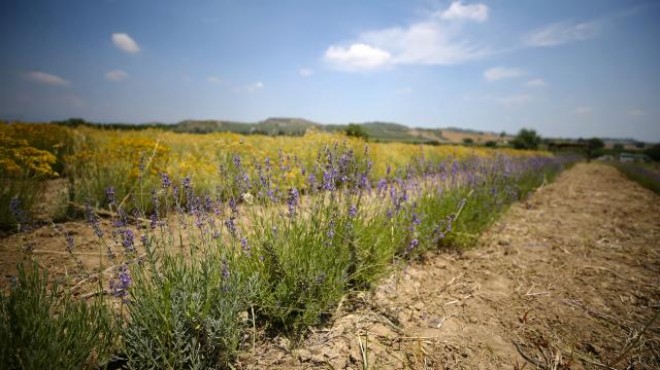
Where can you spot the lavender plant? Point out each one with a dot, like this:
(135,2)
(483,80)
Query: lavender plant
(44,327)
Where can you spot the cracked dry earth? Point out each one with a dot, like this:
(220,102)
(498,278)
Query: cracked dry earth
(568,279)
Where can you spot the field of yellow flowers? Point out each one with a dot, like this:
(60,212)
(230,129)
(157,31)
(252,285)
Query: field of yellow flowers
(131,162)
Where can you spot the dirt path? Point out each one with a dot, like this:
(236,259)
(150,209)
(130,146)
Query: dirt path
(569,279)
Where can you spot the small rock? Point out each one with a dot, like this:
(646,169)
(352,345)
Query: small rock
(304,355)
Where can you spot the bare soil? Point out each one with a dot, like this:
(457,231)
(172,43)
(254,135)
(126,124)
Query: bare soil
(568,279)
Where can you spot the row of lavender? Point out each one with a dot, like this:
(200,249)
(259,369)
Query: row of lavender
(194,272)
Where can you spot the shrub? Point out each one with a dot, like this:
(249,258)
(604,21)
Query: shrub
(184,314)
(49,329)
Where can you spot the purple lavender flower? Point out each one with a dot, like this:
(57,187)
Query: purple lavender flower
(187,184)
(165,180)
(413,244)
(352,211)
(292,202)
(225,269)
(382,185)
(415,219)
(93,220)
(119,285)
(237,161)
(311,181)
(329,180)
(233,206)
(245,245)
(128,240)
(231,226)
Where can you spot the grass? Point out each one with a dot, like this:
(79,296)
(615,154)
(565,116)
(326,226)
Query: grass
(645,174)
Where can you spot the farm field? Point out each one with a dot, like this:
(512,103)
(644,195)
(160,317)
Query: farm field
(174,250)
(567,279)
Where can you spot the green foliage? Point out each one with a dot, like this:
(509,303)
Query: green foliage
(468,141)
(527,139)
(184,314)
(356,131)
(653,152)
(49,329)
(491,144)
(595,143)
(647,175)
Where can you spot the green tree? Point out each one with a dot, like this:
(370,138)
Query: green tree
(527,139)
(653,152)
(596,143)
(468,141)
(356,130)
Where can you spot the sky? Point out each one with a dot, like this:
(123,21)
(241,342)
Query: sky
(565,68)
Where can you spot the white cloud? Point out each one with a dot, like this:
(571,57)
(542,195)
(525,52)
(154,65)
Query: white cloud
(561,33)
(458,11)
(536,82)
(214,80)
(46,78)
(636,113)
(583,110)
(431,41)
(305,72)
(116,75)
(356,57)
(125,43)
(499,73)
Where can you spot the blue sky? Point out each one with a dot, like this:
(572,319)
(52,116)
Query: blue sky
(566,68)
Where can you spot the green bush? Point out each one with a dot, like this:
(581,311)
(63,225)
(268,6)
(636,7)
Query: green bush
(184,314)
(42,328)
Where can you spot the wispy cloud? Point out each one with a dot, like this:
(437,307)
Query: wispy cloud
(434,40)
(405,90)
(458,11)
(583,110)
(535,82)
(116,75)
(305,72)
(46,78)
(500,73)
(251,87)
(636,113)
(561,33)
(125,43)
(214,80)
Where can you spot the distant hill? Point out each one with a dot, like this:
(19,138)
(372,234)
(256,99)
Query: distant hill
(376,131)
(271,126)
